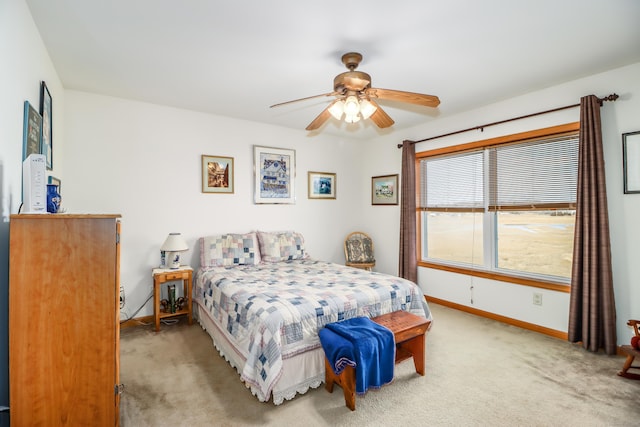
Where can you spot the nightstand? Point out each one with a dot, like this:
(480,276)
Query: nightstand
(163,275)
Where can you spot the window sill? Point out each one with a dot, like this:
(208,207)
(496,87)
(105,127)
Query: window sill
(518,280)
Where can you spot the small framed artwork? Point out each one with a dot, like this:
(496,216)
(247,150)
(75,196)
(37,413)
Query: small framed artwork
(55,181)
(274,172)
(46,111)
(631,162)
(322,185)
(32,131)
(384,190)
(217,174)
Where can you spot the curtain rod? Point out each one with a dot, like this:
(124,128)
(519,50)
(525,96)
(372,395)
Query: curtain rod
(611,97)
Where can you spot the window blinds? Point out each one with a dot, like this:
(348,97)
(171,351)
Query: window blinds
(534,175)
(452,183)
(531,175)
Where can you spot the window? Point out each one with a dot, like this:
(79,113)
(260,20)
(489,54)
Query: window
(454,207)
(505,206)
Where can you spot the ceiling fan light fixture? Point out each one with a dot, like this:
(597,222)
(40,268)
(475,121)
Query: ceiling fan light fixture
(351,106)
(337,109)
(367,108)
(352,118)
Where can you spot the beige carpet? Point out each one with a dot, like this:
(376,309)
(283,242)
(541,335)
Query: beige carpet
(479,373)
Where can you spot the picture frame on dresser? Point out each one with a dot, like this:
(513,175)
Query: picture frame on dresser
(46,112)
(55,181)
(32,131)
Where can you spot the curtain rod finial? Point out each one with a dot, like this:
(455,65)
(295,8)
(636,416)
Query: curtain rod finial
(406,141)
(612,97)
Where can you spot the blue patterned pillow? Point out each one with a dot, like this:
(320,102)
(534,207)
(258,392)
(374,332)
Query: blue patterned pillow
(229,249)
(281,246)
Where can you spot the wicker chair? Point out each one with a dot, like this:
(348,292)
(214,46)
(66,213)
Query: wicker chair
(358,251)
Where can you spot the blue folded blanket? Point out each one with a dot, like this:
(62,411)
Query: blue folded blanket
(363,344)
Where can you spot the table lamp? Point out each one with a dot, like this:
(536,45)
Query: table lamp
(172,246)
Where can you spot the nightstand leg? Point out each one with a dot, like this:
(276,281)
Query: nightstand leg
(187,284)
(156,303)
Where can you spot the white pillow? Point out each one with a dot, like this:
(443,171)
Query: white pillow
(281,246)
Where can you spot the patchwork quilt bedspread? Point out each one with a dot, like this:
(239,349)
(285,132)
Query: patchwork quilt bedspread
(272,311)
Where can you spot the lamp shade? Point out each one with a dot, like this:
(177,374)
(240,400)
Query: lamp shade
(174,243)
(170,250)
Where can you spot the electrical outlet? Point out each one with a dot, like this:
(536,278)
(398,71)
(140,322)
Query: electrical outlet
(537,298)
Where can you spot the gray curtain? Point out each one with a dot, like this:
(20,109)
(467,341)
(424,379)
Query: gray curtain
(408,264)
(592,311)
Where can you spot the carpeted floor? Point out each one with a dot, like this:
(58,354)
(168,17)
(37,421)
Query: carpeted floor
(479,373)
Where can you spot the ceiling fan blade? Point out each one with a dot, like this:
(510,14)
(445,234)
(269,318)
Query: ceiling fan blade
(304,99)
(400,96)
(380,117)
(319,121)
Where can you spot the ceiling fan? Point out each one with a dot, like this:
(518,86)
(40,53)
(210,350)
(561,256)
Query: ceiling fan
(356,99)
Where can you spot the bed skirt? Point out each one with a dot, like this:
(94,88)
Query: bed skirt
(300,372)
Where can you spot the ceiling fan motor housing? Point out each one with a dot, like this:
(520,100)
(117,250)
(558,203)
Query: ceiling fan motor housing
(356,81)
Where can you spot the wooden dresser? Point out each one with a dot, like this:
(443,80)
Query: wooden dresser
(64,320)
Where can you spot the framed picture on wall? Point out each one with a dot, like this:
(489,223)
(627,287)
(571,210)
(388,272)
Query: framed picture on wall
(322,185)
(217,174)
(274,172)
(32,131)
(46,111)
(384,190)
(631,162)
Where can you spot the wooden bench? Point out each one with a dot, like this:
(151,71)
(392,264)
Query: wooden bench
(409,334)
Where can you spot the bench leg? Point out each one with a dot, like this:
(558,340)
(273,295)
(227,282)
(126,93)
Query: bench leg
(329,376)
(415,346)
(346,380)
(348,384)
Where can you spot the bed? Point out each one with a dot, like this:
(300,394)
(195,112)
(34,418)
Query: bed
(263,300)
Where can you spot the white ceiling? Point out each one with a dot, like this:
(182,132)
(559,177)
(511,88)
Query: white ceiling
(236,58)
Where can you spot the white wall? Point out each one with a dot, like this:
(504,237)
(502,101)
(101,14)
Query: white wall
(24,62)
(511,300)
(143,161)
